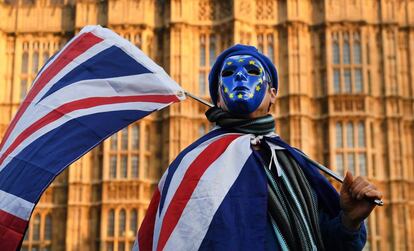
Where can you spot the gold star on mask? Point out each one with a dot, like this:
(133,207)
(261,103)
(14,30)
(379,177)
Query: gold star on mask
(251,95)
(240,96)
(231,95)
(241,60)
(260,81)
(251,62)
(226,90)
(261,70)
(229,63)
(257,88)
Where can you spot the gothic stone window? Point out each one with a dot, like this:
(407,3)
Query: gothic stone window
(122,226)
(35,53)
(124,153)
(347,62)
(39,233)
(350,147)
(208,52)
(265,45)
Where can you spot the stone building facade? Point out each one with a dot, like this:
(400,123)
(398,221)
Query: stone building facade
(346,98)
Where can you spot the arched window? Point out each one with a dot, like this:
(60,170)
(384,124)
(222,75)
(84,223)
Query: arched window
(361,134)
(346,52)
(357,49)
(134,166)
(124,139)
(202,50)
(122,223)
(212,49)
(147,137)
(133,223)
(335,52)
(124,166)
(45,57)
(114,142)
(111,223)
(339,134)
(270,47)
(25,62)
(36,228)
(35,62)
(358,80)
(350,135)
(48,227)
(112,166)
(362,164)
(337,83)
(339,163)
(135,137)
(351,162)
(347,80)
(260,42)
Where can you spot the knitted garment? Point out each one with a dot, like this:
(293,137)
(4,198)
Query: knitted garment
(258,126)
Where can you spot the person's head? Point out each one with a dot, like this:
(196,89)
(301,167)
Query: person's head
(243,82)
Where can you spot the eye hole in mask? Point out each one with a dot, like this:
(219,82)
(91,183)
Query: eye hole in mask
(227,72)
(253,70)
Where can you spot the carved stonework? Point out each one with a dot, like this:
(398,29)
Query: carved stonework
(205,10)
(245,9)
(265,10)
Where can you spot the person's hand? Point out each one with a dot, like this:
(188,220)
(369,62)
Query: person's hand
(356,200)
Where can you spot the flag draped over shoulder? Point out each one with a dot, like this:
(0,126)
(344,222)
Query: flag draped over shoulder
(213,196)
(95,85)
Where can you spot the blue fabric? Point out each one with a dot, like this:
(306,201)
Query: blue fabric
(110,63)
(240,221)
(174,165)
(35,168)
(239,49)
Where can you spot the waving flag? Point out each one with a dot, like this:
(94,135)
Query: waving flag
(96,85)
(213,196)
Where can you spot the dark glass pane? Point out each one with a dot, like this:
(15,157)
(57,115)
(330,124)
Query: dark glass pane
(134,166)
(358,80)
(48,227)
(25,62)
(339,142)
(347,81)
(135,137)
(337,83)
(124,166)
(350,135)
(36,228)
(111,223)
(122,223)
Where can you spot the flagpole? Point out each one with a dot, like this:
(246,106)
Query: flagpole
(319,166)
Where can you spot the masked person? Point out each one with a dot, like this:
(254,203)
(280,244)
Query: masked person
(241,187)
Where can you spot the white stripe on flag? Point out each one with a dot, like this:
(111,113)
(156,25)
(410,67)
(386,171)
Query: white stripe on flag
(213,186)
(176,181)
(15,205)
(139,106)
(32,110)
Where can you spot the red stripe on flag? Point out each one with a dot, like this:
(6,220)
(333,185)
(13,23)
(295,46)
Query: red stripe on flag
(72,51)
(188,184)
(146,231)
(82,104)
(12,230)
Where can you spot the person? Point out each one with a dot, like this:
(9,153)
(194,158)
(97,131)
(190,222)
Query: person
(241,187)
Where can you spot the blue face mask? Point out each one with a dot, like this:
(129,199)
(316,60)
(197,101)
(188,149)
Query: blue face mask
(242,84)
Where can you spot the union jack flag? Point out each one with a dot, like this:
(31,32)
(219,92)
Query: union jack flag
(214,195)
(97,84)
